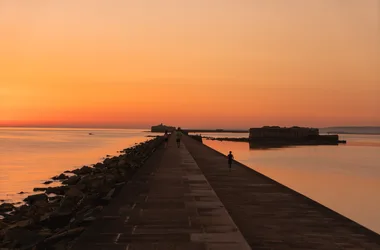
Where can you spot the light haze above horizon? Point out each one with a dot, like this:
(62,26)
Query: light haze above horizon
(194,64)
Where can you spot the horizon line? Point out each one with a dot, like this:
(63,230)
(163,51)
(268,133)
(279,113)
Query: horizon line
(148,127)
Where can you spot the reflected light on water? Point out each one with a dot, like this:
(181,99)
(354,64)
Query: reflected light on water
(28,157)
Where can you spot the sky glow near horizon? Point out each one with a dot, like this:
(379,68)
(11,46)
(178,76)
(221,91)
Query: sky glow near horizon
(222,63)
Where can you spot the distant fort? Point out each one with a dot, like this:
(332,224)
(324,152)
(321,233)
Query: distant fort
(275,136)
(291,135)
(162,128)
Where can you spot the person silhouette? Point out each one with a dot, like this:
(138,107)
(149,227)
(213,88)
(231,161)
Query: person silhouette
(178,136)
(166,138)
(230,158)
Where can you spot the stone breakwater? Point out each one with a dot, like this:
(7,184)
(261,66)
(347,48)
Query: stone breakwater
(55,218)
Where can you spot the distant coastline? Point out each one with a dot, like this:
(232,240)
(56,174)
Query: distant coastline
(352,133)
(365,130)
(352,130)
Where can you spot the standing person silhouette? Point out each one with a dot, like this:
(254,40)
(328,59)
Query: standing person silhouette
(178,136)
(166,138)
(230,158)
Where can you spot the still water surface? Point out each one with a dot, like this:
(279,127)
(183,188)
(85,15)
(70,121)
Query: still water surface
(29,156)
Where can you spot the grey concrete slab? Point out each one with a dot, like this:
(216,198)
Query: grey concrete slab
(170,205)
(270,215)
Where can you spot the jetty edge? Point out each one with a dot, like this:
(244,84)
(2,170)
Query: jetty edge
(54,218)
(271,215)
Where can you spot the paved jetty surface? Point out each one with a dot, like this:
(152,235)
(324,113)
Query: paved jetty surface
(168,205)
(272,216)
(187,199)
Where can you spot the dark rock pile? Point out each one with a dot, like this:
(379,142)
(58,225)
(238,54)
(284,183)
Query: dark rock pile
(53,219)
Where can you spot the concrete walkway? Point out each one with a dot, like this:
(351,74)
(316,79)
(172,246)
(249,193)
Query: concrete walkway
(169,204)
(272,216)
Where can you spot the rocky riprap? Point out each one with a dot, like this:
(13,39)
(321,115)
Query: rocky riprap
(53,219)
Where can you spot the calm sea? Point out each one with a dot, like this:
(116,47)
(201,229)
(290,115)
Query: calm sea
(345,178)
(30,156)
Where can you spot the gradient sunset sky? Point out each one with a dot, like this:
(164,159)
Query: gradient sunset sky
(193,63)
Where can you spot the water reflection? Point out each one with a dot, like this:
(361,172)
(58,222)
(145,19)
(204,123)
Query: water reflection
(28,157)
(256,146)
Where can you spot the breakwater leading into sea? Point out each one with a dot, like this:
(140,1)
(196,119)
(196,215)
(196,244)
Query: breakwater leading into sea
(59,214)
(145,208)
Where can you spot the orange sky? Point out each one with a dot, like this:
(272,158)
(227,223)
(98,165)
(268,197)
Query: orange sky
(216,63)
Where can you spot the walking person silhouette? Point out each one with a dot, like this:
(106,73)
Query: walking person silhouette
(178,136)
(230,158)
(166,138)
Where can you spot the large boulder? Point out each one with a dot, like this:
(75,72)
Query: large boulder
(81,186)
(60,177)
(21,223)
(92,182)
(55,201)
(92,199)
(31,199)
(107,198)
(22,238)
(41,203)
(22,209)
(99,170)
(95,185)
(58,219)
(74,192)
(83,171)
(6,207)
(38,210)
(72,180)
(70,202)
(37,189)
(111,162)
(57,190)
(20,213)
(99,165)
(107,161)
(3,225)
(122,163)
(111,179)
(71,233)
(12,218)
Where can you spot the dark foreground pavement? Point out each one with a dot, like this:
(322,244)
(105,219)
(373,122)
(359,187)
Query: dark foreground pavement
(272,216)
(187,199)
(167,205)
